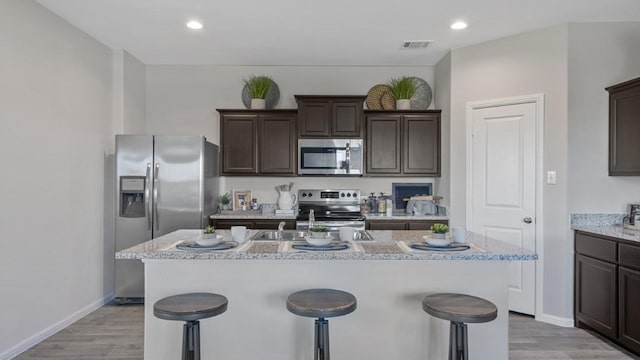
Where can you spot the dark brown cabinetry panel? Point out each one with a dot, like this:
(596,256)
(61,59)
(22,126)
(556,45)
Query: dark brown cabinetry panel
(313,118)
(383,144)
(403,142)
(277,144)
(239,138)
(258,142)
(323,116)
(624,128)
(386,225)
(421,146)
(402,224)
(629,307)
(596,295)
(607,287)
(253,224)
(227,224)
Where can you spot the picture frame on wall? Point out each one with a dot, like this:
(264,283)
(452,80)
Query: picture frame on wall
(240,196)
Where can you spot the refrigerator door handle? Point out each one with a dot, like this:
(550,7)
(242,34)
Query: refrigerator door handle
(155,195)
(147,194)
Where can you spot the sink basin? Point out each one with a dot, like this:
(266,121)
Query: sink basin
(274,235)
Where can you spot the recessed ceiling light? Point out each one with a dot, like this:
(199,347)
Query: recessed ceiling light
(194,25)
(459,25)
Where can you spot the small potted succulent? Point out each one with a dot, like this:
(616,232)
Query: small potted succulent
(439,231)
(319,232)
(209,232)
(403,89)
(258,86)
(225,201)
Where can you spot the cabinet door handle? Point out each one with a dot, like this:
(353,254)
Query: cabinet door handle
(155,196)
(527,220)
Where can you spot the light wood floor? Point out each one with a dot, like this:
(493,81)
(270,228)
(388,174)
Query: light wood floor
(116,332)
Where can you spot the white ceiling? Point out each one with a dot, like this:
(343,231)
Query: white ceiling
(318,32)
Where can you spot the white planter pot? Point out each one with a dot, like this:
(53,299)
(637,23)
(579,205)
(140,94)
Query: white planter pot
(209,236)
(438,235)
(403,104)
(258,103)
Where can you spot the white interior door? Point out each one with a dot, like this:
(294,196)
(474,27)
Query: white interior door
(503,188)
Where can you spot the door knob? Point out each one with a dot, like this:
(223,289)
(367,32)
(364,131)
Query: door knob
(527,220)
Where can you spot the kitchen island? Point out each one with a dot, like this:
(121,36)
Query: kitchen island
(388,278)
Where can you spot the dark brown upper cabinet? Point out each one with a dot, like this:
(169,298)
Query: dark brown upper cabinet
(329,116)
(258,142)
(624,128)
(403,142)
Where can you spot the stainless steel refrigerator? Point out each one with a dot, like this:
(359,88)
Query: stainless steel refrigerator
(163,183)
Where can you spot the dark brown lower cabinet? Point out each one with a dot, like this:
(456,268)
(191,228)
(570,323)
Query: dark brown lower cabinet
(596,290)
(402,224)
(607,287)
(253,224)
(629,307)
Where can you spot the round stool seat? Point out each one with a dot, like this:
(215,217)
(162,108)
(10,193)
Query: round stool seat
(190,307)
(460,308)
(321,303)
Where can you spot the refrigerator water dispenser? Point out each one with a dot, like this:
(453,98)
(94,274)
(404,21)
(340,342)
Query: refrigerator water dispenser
(132,196)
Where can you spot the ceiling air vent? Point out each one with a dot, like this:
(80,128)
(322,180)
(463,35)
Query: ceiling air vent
(415,44)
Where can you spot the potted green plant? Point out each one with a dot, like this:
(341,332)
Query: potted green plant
(439,230)
(403,89)
(225,201)
(319,232)
(258,86)
(209,232)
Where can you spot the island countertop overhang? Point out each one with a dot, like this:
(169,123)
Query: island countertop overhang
(387,245)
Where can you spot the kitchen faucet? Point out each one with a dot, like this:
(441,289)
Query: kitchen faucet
(281,229)
(312,220)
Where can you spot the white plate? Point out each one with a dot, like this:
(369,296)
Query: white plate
(208,241)
(437,242)
(319,241)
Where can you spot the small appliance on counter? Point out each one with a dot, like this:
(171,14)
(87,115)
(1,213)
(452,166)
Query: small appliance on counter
(401,192)
(423,205)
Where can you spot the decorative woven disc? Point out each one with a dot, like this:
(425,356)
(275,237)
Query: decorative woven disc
(388,101)
(375,95)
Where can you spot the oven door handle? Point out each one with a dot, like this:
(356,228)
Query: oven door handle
(347,151)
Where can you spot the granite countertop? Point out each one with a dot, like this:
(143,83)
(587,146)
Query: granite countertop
(604,224)
(616,231)
(387,245)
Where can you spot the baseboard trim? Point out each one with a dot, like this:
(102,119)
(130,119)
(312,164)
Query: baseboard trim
(42,335)
(555,320)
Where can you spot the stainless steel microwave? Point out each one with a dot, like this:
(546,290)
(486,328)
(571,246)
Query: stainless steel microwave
(330,156)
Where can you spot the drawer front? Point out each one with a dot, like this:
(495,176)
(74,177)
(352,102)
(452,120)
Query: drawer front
(424,224)
(596,247)
(227,224)
(386,225)
(629,256)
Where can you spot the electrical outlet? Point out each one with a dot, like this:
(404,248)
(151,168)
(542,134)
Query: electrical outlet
(551,177)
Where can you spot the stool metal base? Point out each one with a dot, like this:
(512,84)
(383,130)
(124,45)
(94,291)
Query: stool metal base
(321,351)
(458,346)
(191,340)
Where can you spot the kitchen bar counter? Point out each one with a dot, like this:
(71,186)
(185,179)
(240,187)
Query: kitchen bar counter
(397,216)
(251,216)
(387,245)
(389,322)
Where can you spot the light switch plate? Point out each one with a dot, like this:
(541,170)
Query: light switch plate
(551,177)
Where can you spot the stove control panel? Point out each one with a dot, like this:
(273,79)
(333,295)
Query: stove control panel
(329,196)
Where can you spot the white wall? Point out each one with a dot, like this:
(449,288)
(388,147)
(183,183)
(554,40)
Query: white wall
(442,97)
(55,106)
(183,100)
(530,63)
(600,55)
